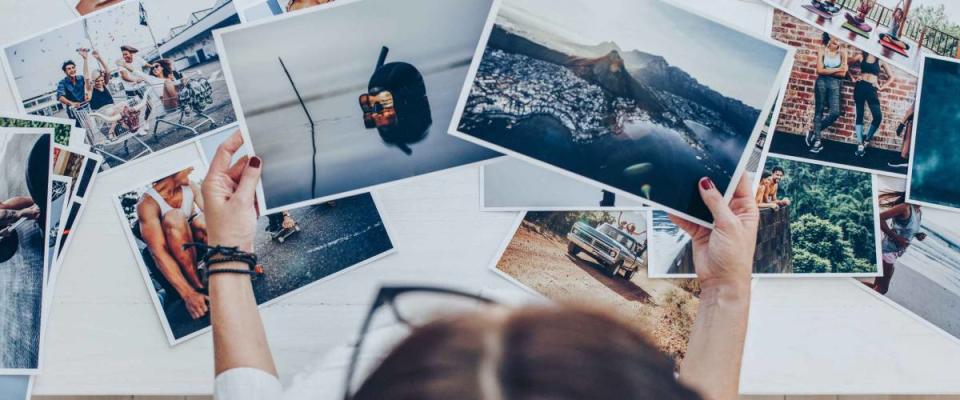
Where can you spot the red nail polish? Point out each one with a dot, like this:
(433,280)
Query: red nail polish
(706,184)
(255,162)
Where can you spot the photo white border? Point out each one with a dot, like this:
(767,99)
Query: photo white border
(45,294)
(485,208)
(842,37)
(74,200)
(199,165)
(112,169)
(893,304)
(245,131)
(784,71)
(913,136)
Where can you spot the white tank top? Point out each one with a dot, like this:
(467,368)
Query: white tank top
(186,206)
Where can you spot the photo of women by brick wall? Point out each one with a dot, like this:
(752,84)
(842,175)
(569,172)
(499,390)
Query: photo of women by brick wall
(843,106)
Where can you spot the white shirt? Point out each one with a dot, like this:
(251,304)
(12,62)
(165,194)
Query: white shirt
(137,67)
(324,380)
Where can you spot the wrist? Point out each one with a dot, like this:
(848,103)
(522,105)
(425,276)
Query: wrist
(726,292)
(242,245)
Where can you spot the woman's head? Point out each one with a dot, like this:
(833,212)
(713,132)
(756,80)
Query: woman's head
(892,199)
(100,81)
(162,69)
(830,42)
(898,14)
(556,353)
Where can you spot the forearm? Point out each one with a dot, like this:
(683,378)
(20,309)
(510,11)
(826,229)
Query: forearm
(170,270)
(715,349)
(239,340)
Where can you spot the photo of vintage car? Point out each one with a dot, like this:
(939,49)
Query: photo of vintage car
(614,248)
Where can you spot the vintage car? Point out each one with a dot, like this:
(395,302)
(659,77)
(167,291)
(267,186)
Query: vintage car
(615,249)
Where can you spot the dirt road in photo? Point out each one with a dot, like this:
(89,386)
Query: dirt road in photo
(658,306)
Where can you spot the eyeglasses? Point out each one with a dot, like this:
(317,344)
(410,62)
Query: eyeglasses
(411,306)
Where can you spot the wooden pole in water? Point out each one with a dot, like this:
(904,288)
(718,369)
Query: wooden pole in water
(313,133)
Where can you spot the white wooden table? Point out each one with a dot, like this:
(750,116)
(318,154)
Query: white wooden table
(104,337)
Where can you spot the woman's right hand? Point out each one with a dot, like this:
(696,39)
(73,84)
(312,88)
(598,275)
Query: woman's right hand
(229,195)
(723,256)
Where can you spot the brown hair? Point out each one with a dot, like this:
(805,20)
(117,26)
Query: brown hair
(892,199)
(532,353)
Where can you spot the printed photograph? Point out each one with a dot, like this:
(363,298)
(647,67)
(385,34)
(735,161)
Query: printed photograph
(589,91)
(898,31)
(932,178)
(59,194)
(77,202)
(921,258)
(815,220)
(296,248)
(61,127)
(139,77)
(510,184)
(843,106)
(600,257)
(356,112)
(15,387)
(84,7)
(24,205)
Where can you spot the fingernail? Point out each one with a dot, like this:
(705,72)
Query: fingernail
(255,162)
(706,184)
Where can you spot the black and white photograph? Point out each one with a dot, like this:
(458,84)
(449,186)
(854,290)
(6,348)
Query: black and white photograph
(296,248)
(935,163)
(644,98)
(24,206)
(140,77)
(815,221)
(510,184)
(357,112)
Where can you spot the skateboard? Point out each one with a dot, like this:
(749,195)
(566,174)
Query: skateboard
(284,233)
(893,47)
(821,9)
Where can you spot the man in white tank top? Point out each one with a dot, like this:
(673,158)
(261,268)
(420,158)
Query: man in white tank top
(170,216)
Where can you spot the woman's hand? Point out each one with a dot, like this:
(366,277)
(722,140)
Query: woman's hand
(229,194)
(723,257)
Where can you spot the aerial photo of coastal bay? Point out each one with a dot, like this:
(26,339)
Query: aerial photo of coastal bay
(593,90)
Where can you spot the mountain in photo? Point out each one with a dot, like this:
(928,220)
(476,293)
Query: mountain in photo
(663,90)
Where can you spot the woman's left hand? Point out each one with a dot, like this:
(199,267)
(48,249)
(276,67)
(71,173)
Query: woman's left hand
(229,194)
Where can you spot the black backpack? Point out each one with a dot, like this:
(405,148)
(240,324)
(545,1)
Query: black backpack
(396,103)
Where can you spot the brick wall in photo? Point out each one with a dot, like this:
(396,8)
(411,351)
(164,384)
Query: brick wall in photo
(796,115)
